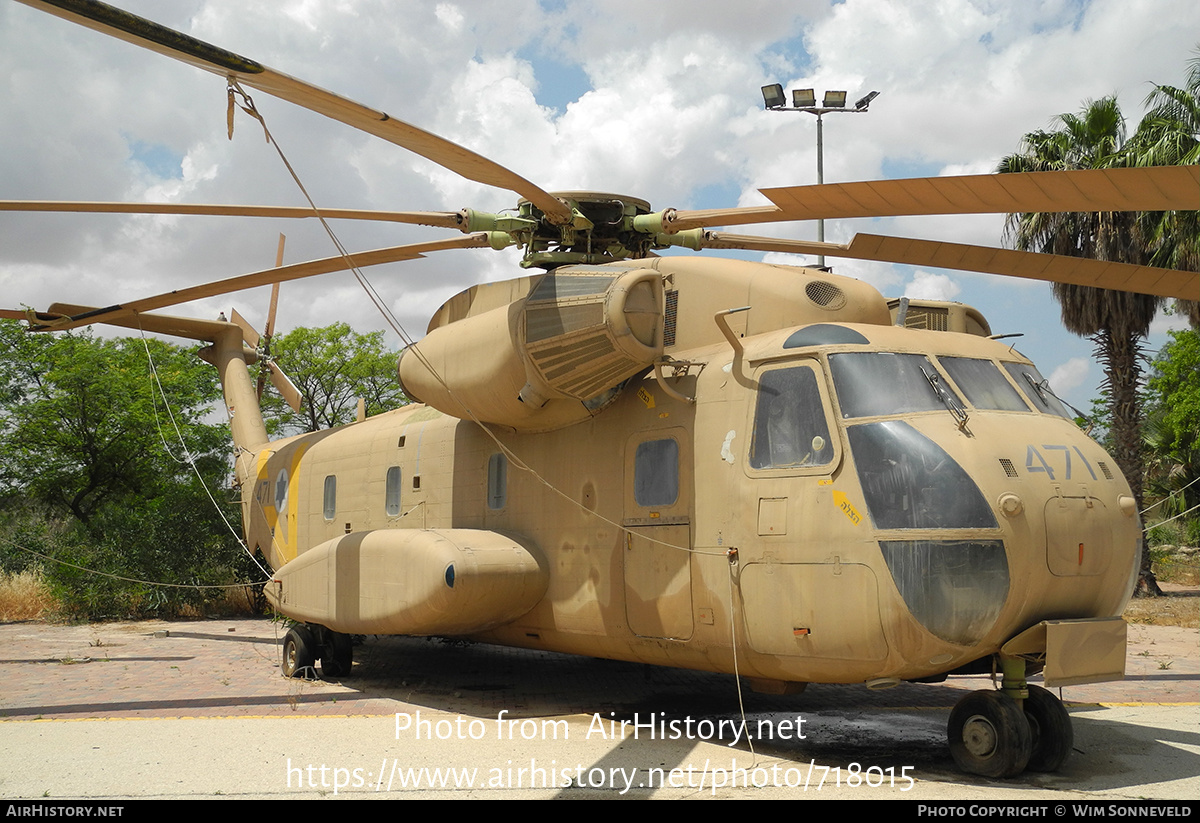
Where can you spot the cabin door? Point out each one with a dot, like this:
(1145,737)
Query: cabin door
(656,543)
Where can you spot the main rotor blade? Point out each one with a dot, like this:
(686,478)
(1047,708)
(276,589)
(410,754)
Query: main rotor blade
(1159,188)
(441,219)
(1080,271)
(149,35)
(189,328)
(260,278)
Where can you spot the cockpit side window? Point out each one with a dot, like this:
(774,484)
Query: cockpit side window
(790,430)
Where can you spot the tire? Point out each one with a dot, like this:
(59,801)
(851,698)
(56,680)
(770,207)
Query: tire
(337,656)
(297,652)
(1050,729)
(989,735)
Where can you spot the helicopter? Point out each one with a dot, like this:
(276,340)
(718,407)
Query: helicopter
(769,471)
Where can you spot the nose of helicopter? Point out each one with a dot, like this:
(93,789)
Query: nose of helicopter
(986,535)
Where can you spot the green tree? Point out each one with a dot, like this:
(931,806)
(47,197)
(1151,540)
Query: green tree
(84,425)
(1173,427)
(1115,321)
(90,469)
(332,367)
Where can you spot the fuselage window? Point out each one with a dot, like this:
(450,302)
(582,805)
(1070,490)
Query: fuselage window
(656,473)
(330,505)
(497,490)
(789,422)
(392,492)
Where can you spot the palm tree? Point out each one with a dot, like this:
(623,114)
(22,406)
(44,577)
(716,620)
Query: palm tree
(1115,321)
(1169,135)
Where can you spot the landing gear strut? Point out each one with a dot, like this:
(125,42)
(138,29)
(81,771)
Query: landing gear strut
(337,655)
(305,645)
(1003,733)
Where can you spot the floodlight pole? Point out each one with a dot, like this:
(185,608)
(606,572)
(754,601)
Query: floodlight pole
(773,104)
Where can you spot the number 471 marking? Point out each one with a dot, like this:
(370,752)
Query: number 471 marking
(1035,462)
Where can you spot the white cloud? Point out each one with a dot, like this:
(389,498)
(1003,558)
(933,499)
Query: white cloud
(450,16)
(928,286)
(1070,375)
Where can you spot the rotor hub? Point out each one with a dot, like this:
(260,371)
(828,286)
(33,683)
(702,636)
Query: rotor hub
(602,231)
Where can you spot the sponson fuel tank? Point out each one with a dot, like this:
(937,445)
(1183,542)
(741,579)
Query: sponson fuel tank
(412,581)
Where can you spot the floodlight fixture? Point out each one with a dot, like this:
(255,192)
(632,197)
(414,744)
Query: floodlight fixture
(773,96)
(866,101)
(834,100)
(804,98)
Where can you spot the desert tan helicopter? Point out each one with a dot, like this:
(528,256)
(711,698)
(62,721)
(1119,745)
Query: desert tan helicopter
(714,464)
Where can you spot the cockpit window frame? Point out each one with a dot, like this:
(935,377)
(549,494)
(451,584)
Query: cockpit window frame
(1042,404)
(925,393)
(971,391)
(833,430)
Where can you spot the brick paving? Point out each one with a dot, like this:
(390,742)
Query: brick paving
(230,668)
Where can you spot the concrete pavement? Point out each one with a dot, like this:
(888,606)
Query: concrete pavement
(198,709)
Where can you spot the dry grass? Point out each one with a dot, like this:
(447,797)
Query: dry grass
(24,596)
(1173,571)
(237,602)
(1180,605)
(233,602)
(1175,609)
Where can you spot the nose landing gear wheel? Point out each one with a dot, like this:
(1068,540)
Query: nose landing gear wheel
(1050,728)
(989,735)
(297,651)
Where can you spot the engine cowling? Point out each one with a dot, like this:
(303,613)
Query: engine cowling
(547,360)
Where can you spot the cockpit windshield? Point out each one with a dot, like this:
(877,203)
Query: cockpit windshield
(1037,389)
(983,384)
(877,383)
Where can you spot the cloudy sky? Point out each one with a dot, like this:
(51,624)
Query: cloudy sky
(654,99)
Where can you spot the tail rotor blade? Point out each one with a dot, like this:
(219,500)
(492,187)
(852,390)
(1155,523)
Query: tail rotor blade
(283,384)
(266,338)
(249,333)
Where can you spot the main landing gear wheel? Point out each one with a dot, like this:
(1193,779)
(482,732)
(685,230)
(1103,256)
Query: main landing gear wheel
(337,655)
(989,735)
(298,651)
(1050,728)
